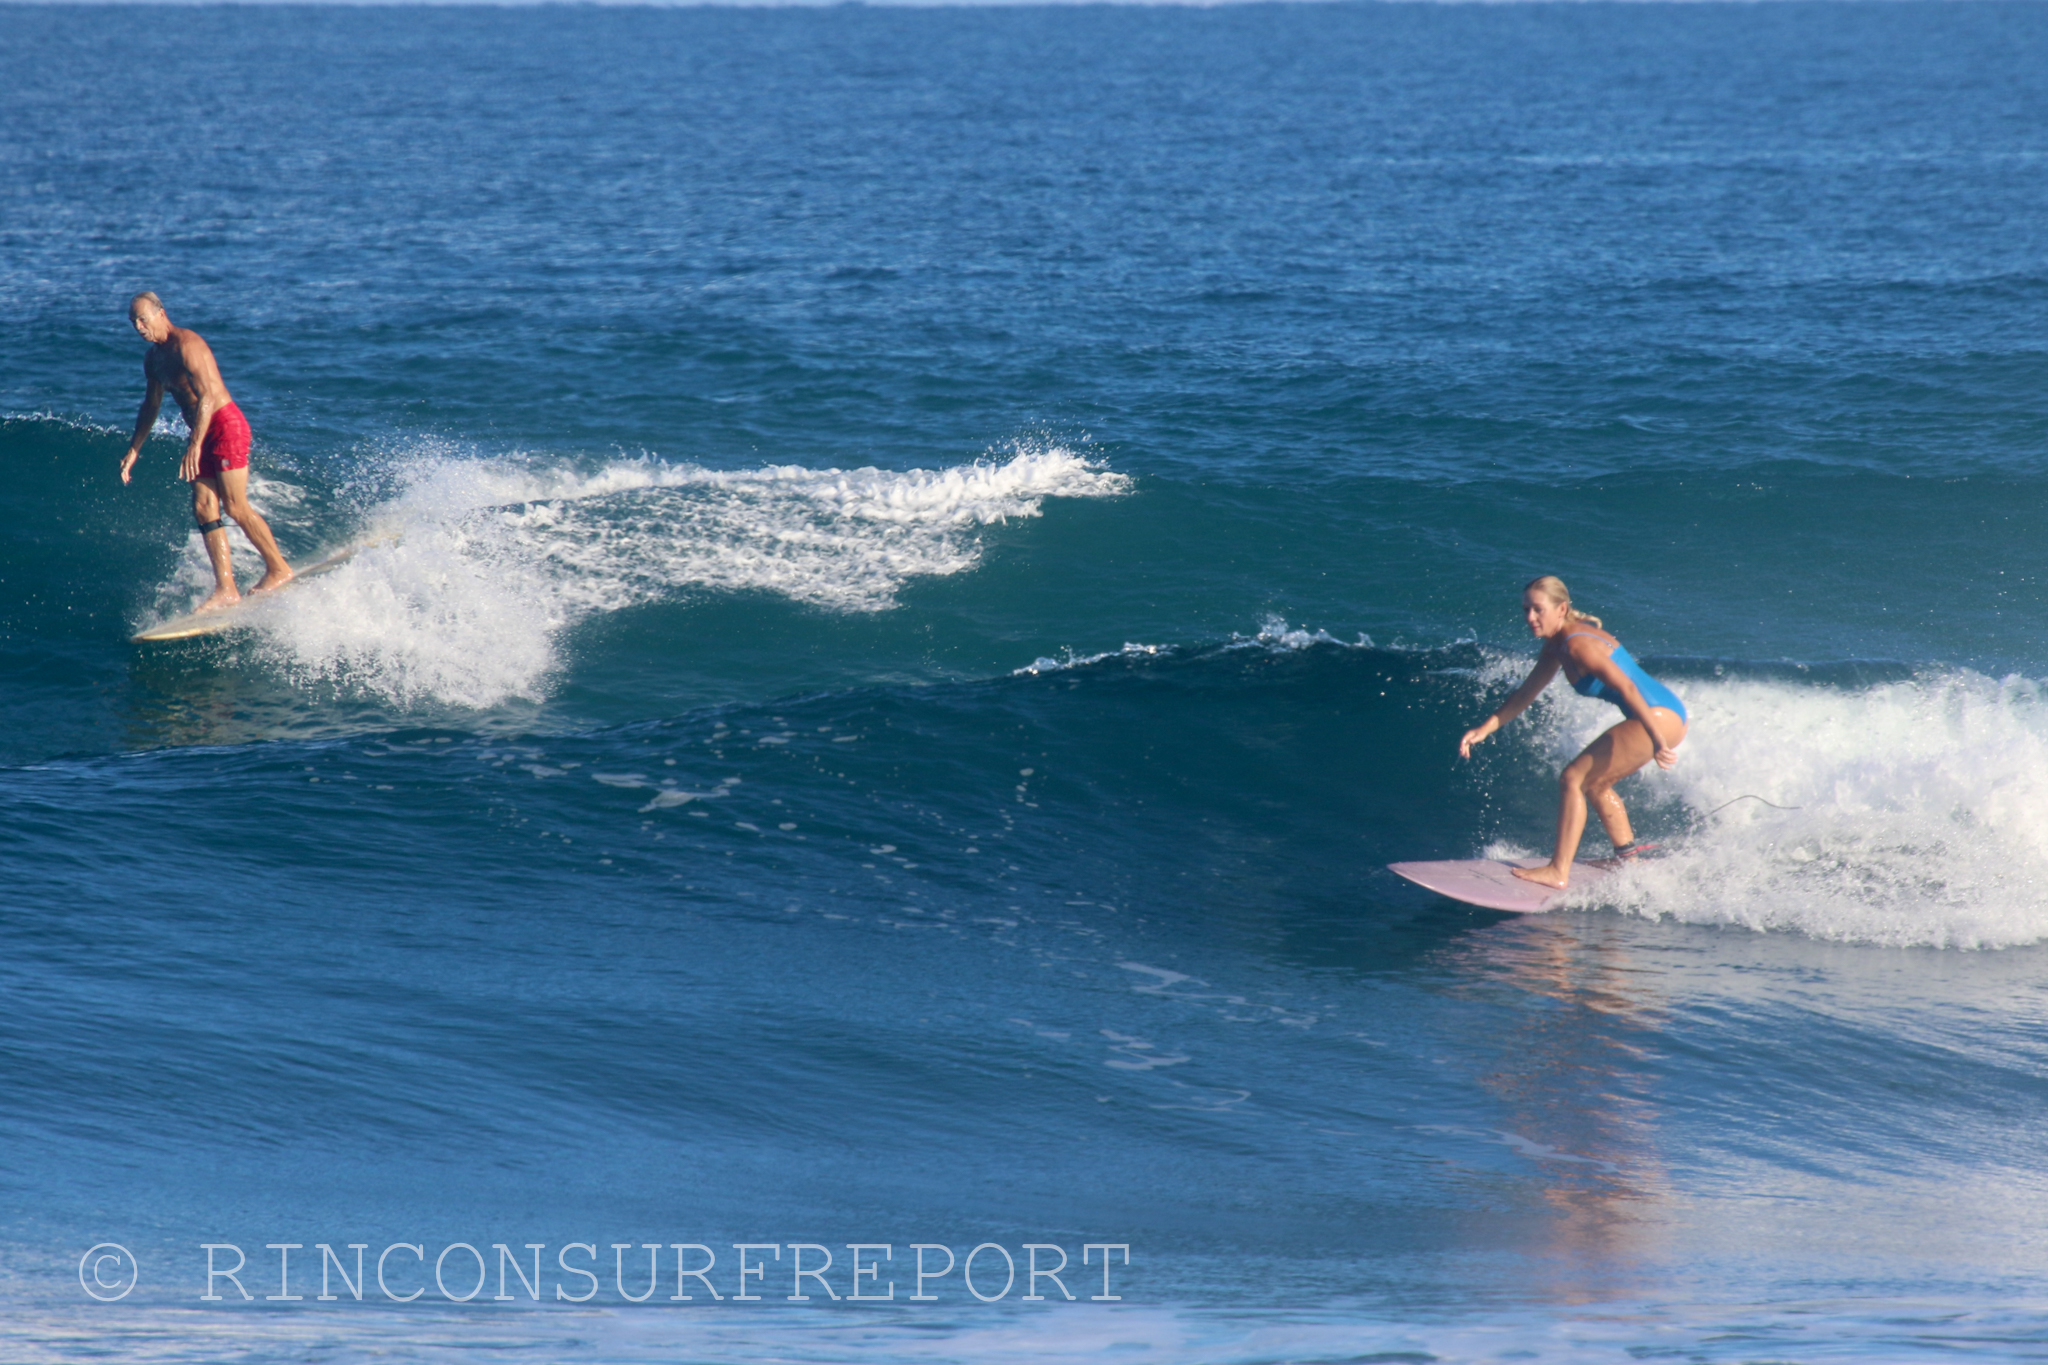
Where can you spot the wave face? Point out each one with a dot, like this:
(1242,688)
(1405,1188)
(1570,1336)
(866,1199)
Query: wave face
(916,566)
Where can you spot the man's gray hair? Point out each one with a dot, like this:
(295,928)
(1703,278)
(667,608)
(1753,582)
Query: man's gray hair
(149,297)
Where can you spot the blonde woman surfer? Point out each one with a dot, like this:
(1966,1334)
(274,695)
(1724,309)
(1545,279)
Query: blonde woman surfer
(1596,665)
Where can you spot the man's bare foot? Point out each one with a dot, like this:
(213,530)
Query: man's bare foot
(1546,875)
(273,580)
(222,597)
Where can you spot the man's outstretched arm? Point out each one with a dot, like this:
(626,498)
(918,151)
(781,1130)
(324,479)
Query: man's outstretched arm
(145,422)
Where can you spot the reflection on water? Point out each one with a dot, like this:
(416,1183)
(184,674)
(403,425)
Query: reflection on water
(1578,1098)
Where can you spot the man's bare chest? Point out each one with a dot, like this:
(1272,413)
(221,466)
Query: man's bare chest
(167,368)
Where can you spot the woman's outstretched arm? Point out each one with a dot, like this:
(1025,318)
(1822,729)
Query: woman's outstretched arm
(1517,702)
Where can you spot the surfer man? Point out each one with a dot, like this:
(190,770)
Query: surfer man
(217,454)
(1596,666)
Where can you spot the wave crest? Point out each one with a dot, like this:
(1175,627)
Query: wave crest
(486,561)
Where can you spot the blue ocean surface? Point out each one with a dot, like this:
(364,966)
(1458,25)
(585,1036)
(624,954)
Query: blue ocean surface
(918,564)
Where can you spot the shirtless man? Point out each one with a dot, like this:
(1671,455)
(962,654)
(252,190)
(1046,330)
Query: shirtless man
(217,455)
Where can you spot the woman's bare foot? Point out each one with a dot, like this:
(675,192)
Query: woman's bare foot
(273,580)
(222,597)
(1546,875)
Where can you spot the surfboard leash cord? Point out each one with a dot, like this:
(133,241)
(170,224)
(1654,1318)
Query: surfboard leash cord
(1746,797)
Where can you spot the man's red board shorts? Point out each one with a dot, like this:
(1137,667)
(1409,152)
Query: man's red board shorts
(227,442)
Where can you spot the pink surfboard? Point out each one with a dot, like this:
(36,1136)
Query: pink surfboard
(1487,882)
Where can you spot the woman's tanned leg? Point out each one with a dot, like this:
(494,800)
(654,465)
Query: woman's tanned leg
(1590,779)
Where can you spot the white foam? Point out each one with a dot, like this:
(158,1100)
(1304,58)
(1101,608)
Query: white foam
(1922,807)
(1274,634)
(76,423)
(1046,663)
(495,557)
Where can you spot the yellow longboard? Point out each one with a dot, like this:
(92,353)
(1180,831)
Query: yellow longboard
(242,612)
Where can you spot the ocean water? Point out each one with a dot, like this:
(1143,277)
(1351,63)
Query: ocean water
(918,564)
